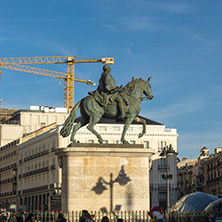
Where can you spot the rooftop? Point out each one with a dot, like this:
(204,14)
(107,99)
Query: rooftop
(113,121)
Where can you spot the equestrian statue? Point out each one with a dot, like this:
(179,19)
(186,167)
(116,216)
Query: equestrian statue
(112,102)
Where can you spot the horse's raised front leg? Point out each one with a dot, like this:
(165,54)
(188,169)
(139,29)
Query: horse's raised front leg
(129,120)
(92,122)
(143,121)
(77,126)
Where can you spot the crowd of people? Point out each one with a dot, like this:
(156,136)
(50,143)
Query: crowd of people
(86,217)
(155,213)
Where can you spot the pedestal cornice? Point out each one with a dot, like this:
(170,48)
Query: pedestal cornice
(108,150)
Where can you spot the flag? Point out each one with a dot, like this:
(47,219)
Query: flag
(1,102)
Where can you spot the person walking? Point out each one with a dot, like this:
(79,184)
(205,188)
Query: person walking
(61,218)
(105,219)
(3,218)
(19,219)
(84,215)
(93,217)
(30,218)
(209,218)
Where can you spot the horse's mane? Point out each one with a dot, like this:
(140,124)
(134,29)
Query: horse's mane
(130,86)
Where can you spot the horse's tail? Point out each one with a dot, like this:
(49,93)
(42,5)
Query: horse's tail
(66,129)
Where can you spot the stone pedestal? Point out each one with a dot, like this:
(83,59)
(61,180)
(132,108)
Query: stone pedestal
(110,176)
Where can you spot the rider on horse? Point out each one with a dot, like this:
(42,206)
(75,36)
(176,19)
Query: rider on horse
(107,91)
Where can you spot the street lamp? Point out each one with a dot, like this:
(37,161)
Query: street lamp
(166,152)
(122,179)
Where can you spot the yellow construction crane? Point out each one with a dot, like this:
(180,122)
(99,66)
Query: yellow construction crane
(19,63)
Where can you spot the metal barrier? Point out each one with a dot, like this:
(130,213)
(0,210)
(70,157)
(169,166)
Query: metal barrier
(194,216)
(130,216)
(127,216)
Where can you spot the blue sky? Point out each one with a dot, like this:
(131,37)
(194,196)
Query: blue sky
(178,43)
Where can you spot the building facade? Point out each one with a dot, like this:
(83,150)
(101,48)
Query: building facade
(202,174)
(24,122)
(8,174)
(38,176)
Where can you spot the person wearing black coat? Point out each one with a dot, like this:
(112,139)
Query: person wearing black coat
(209,218)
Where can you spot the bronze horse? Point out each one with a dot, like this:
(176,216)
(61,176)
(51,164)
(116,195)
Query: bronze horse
(92,111)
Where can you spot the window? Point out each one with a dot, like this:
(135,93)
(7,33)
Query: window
(43,124)
(117,141)
(162,144)
(43,147)
(132,142)
(116,128)
(130,129)
(162,199)
(103,128)
(162,163)
(43,178)
(105,141)
(90,141)
(146,144)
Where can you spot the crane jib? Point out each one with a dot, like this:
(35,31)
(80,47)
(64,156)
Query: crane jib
(18,64)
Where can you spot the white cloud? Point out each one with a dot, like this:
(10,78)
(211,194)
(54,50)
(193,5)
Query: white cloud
(163,6)
(19,84)
(200,39)
(58,48)
(140,24)
(112,28)
(188,105)
(10,39)
(137,56)
(175,7)
(189,143)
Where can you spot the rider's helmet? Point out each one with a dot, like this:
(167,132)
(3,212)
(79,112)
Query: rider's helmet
(106,68)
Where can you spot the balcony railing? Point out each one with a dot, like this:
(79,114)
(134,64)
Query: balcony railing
(45,152)
(53,167)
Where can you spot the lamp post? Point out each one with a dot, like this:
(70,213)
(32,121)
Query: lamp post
(122,179)
(167,152)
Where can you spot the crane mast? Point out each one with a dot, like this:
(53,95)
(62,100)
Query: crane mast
(19,63)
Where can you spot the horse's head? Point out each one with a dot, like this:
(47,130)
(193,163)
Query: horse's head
(138,87)
(147,89)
